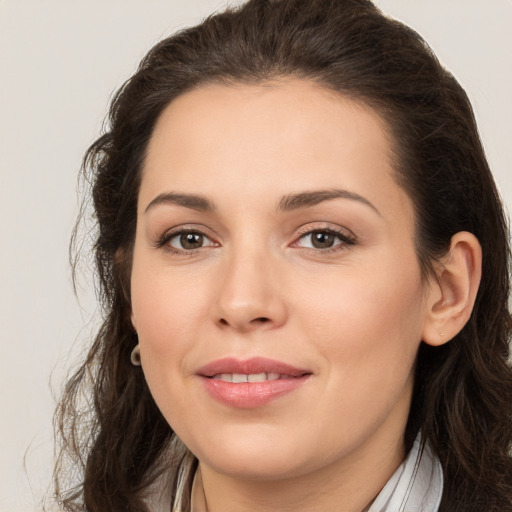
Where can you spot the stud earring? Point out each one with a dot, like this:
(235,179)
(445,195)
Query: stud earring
(135,356)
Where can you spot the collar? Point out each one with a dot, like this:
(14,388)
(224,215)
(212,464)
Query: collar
(416,485)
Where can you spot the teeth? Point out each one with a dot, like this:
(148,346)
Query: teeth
(238,378)
(257,377)
(228,377)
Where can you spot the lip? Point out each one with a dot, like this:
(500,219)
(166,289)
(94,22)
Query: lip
(247,395)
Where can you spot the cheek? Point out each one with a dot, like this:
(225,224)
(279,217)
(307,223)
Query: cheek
(367,331)
(164,306)
(368,326)
(166,323)
(167,313)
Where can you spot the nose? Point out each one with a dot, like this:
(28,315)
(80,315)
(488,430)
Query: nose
(250,297)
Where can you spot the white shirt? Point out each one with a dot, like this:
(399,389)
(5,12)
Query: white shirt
(416,485)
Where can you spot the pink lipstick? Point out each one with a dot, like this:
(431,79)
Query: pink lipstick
(250,383)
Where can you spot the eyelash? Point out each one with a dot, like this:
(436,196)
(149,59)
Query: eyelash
(343,237)
(164,241)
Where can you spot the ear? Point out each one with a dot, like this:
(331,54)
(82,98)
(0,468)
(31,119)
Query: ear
(453,290)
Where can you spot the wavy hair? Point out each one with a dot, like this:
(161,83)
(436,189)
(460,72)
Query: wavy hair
(116,441)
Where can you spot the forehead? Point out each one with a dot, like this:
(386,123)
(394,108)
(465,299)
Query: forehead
(270,139)
(294,109)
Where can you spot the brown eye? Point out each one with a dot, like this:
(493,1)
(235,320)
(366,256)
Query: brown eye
(322,239)
(189,240)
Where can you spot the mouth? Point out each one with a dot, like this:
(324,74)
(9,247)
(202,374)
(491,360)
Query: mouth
(259,368)
(250,383)
(238,378)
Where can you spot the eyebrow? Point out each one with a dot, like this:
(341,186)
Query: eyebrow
(289,202)
(308,199)
(192,201)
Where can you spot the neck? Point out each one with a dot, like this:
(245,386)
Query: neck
(349,487)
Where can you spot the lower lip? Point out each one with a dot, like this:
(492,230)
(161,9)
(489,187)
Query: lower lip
(247,395)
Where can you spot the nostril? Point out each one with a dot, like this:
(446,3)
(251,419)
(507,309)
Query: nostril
(261,319)
(244,323)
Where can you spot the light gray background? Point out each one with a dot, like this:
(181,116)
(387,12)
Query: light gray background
(60,61)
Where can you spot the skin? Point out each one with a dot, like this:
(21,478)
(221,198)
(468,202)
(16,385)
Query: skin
(353,314)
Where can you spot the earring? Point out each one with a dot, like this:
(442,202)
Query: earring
(135,356)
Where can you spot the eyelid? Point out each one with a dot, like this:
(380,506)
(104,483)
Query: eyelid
(163,241)
(325,226)
(345,235)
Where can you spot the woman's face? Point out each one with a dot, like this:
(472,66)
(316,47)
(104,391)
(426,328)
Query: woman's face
(276,290)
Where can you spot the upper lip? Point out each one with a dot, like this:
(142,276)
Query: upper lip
(250,366)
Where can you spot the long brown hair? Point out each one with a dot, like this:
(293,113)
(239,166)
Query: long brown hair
(462,401)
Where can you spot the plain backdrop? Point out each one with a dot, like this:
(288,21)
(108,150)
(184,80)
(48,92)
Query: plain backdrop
(60,62)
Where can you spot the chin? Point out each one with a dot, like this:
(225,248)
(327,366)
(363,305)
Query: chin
(254,458)
(271,468)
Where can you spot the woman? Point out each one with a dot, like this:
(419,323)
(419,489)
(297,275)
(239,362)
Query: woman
(304,267)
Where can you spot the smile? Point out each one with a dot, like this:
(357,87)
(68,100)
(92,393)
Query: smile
(250,383)
(238,378)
